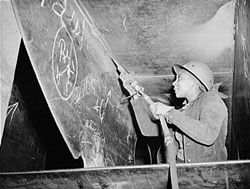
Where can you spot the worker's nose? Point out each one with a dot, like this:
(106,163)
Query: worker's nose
(175,82)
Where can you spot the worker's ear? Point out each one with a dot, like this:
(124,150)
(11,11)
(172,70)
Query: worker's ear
(198,84)
(202,88)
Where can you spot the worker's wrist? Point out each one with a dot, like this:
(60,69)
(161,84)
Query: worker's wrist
(168,111)
(167,115)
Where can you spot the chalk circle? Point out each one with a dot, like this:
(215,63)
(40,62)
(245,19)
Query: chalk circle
(64,63)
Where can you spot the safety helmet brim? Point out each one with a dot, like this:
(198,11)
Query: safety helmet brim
(176,68)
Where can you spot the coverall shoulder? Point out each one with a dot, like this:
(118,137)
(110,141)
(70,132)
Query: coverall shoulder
(201,129)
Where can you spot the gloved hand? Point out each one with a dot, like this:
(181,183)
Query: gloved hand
(129,83)
(159,108)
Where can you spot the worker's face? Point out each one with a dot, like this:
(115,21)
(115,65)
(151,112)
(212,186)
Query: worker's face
(183,84)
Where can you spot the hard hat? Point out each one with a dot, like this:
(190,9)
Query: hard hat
(200,71)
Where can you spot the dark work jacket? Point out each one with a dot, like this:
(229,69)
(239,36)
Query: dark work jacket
(203,127)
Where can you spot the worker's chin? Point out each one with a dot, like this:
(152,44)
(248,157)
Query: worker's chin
(178,95)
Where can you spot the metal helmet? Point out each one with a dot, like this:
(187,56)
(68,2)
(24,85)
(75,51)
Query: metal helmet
(200,71)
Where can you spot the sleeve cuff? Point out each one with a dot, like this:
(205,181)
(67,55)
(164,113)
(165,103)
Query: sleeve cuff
(171,115)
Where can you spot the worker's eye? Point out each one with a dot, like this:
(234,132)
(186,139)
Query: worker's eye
(179,77)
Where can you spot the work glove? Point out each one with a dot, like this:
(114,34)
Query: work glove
(159,108)
(130,84)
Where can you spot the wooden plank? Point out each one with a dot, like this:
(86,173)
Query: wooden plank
(230,174)
(241,89)
(162,85)
(78,80)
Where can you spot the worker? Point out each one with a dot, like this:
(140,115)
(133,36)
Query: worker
(200,126)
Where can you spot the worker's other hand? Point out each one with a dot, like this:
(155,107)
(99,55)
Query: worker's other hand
(159,108)
(129,83)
